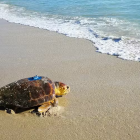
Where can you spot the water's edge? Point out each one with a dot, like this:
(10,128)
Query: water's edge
(123,46)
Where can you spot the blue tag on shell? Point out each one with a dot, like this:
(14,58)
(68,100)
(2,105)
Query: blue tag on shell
(35,78)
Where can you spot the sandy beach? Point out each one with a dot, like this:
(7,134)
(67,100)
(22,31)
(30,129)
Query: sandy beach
(104,102)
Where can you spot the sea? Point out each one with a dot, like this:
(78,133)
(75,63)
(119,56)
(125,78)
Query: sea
(113,26)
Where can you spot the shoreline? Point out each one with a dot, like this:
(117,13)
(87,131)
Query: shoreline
(104,100)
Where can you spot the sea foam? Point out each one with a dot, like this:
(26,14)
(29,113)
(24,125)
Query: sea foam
(111,36)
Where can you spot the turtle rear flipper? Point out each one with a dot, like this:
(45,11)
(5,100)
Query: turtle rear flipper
(9,111)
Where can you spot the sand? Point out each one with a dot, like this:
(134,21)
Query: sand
(104,102)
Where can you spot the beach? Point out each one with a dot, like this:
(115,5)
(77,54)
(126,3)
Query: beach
(104,102)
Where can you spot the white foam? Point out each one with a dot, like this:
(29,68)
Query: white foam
(102,31)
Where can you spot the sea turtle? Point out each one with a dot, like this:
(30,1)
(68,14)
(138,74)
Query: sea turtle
(30,92)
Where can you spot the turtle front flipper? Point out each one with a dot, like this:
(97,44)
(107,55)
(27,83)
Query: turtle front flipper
(44,108)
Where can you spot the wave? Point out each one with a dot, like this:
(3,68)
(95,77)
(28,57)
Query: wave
(112,36)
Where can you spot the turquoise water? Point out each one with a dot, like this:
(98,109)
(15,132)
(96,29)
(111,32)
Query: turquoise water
(112,26)
(127,9)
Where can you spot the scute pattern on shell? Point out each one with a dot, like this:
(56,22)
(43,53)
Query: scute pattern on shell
(25,93)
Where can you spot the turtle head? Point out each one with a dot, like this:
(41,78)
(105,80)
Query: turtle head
(61,89)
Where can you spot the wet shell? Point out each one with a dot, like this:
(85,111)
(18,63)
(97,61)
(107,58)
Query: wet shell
(27,93)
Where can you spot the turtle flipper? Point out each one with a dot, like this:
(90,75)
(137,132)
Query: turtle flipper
(9,111)
(44,108)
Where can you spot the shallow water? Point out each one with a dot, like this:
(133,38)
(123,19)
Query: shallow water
(113,26)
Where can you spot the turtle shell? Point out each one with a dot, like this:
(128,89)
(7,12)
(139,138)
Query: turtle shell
(26,93)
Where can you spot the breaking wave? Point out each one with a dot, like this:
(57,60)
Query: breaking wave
(109,35)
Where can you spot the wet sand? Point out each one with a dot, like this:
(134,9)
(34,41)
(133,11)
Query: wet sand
(104,102)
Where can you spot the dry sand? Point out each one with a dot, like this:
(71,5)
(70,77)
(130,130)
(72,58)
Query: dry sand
(104,103)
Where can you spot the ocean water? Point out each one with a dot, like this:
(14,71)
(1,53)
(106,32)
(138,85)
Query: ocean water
(112,26)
